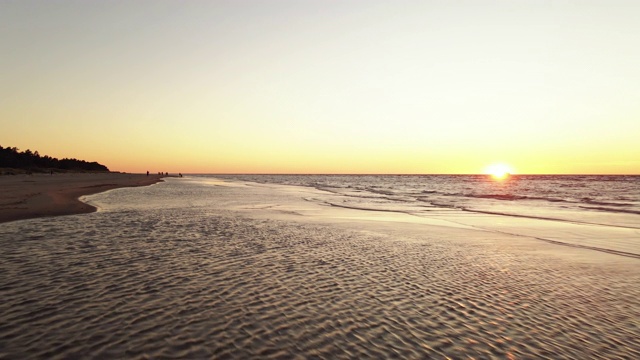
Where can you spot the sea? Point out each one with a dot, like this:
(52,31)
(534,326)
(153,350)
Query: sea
(597,211)
(330,266)
(612,200)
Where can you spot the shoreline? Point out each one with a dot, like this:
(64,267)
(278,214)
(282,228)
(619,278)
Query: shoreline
(32,196)
(247,270)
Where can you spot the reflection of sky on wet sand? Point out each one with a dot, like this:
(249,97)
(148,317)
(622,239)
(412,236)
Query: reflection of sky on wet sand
(186,269)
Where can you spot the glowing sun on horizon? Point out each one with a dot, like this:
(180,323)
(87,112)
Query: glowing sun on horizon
(499,171)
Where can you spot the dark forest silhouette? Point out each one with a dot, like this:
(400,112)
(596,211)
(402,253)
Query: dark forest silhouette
(11,157)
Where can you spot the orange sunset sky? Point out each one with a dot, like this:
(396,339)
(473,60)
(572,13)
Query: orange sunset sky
(324,86)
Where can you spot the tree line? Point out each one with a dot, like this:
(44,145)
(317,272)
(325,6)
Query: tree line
(12,157)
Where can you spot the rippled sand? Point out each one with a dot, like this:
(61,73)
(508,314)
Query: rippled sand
(222,283)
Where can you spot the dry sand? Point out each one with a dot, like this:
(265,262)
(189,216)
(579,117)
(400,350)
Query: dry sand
(32,196)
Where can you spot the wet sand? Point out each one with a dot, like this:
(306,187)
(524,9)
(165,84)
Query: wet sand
(32,196)
(242,272)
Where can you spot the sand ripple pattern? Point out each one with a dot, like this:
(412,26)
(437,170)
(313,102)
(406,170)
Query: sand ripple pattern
(195,284)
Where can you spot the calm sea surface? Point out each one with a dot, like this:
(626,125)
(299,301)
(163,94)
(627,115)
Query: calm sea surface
(606,200)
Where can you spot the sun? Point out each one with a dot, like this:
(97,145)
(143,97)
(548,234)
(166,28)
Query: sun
(499,170)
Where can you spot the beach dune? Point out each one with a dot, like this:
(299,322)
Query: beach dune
(32,196)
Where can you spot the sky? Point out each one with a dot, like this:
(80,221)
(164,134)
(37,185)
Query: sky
(325,86)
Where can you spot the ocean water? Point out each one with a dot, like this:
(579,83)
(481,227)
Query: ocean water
(284,267)
(615,200)
(600,212)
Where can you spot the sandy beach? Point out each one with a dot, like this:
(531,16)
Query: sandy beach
(32,196)
(210,269)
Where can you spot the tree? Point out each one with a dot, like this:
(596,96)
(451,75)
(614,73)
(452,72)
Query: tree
(11,157)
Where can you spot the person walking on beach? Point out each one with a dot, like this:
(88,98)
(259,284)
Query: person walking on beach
(147,172)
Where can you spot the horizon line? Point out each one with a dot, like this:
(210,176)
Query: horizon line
(411,174)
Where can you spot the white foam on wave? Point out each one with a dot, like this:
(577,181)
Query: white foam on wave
(600,237)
